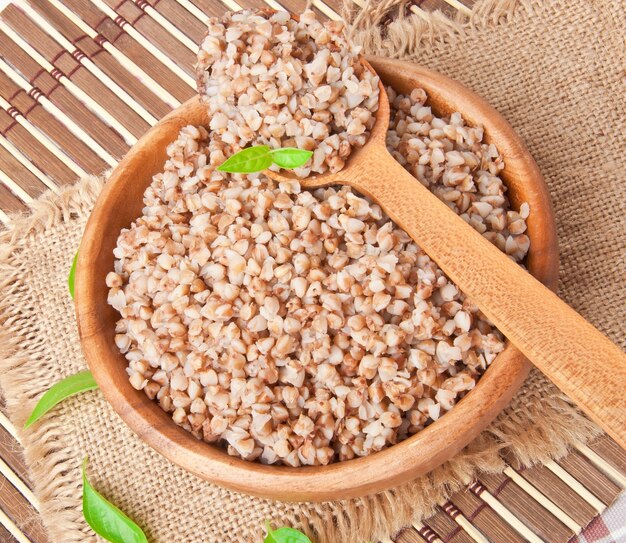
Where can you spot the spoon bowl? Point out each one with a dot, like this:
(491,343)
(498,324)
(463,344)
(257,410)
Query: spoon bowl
(121,202)
(377,137)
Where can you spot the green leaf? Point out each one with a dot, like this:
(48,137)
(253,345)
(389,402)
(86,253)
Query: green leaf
(284,535)
(290,157)
(107,520)
(261,157)
(250,160)
(70,277)
(80,382)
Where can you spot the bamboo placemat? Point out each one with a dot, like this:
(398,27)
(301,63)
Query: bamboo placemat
(80,81)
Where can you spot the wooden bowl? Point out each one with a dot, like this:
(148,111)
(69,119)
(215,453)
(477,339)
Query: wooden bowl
(121,202)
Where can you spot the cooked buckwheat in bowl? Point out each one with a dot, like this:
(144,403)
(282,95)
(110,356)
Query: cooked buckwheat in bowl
(303,327)
(300,338)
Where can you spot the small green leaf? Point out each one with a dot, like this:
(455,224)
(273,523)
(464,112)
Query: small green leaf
(250,160)
(70,277)
(290,157)
(80,382)
(107,520)
(284,535)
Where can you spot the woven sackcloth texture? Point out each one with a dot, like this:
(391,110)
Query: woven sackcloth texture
(555,69)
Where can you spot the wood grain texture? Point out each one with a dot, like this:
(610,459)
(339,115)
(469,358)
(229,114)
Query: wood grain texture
(10,202)
(70,67)
(103,60)
(444,527)
(532,514)
(212,8)
(6,537)
(127,45)
(121,202)
(551,486)
(50,125)
(595,481)
(11,453)
(611,452)
(181,18)
(19,174)
(485,519)
(35,151)
(151,29)
(409,535)
(438,524)
(62,98)
(21,513)
(13,504)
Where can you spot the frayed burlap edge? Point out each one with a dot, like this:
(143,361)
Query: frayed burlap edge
(535,428)
(390,29)
(52,470)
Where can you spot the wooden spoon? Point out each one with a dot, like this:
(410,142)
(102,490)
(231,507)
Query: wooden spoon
(574,355)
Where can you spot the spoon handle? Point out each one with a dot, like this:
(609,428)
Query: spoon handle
(574,355)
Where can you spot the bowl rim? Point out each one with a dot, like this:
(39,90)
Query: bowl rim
(349,479)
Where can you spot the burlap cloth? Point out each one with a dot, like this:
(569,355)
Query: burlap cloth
(556,72)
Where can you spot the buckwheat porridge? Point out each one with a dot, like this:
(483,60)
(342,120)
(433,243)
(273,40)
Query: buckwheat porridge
(302,327)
